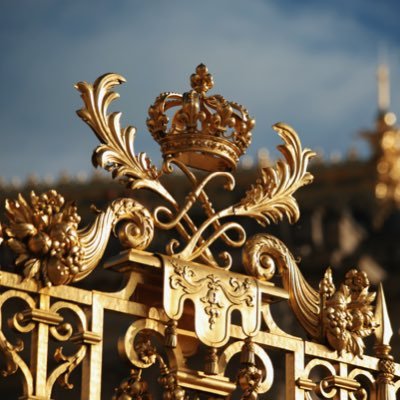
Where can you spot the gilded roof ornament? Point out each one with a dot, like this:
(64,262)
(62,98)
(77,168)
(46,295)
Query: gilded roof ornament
(384,141)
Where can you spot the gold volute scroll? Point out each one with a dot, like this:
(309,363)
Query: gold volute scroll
(340,317)
(262,256)
(44,234)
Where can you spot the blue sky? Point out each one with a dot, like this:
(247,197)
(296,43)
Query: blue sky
(309,63)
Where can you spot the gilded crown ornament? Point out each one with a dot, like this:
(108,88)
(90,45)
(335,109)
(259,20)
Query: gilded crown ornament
(206,132)
(185,291)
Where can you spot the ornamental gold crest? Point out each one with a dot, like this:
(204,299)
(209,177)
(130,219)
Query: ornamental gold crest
(202,136)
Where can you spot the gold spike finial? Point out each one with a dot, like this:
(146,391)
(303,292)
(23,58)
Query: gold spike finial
(384,331)
(384,382)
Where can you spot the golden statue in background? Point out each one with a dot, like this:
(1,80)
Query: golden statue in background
(385,144)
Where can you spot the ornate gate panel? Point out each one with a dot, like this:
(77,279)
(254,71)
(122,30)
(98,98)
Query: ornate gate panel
(192,298)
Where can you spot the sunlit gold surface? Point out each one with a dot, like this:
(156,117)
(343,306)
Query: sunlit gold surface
(207,132)
(53,251)
(44,234)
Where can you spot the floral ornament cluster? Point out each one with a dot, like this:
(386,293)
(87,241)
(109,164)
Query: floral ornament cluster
(133,387)
(44,234)
(347,313)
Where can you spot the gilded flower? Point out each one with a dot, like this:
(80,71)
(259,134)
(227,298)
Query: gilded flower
(356,280)
(43,234)
(347,314)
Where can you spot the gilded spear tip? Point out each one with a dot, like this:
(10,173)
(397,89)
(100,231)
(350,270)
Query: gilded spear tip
(384,331)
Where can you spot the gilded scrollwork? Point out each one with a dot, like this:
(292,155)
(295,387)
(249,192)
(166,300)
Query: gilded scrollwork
(197,138)
(271,197)
(363,392)
(125,217)
(67,332)
(140,350)
(264,253)
(343,317)
(43,232)
(11,352)
(325,380)
(325,386)
(269,200)
(137,347)
(116,153)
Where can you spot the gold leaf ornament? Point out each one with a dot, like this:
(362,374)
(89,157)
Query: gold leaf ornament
(51,249)
(271,197)
(348,313)
(43,234)
(268,200)
(116,153)
(340,317)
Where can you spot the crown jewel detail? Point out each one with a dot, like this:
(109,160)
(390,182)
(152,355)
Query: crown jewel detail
(206,132)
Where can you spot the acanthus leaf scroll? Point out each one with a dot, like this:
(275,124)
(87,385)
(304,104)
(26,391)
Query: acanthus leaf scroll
(116,153)
(271,197)
(341,318)
(43,233)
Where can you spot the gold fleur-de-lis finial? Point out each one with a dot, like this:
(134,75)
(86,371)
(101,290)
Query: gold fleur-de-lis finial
(201,81)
